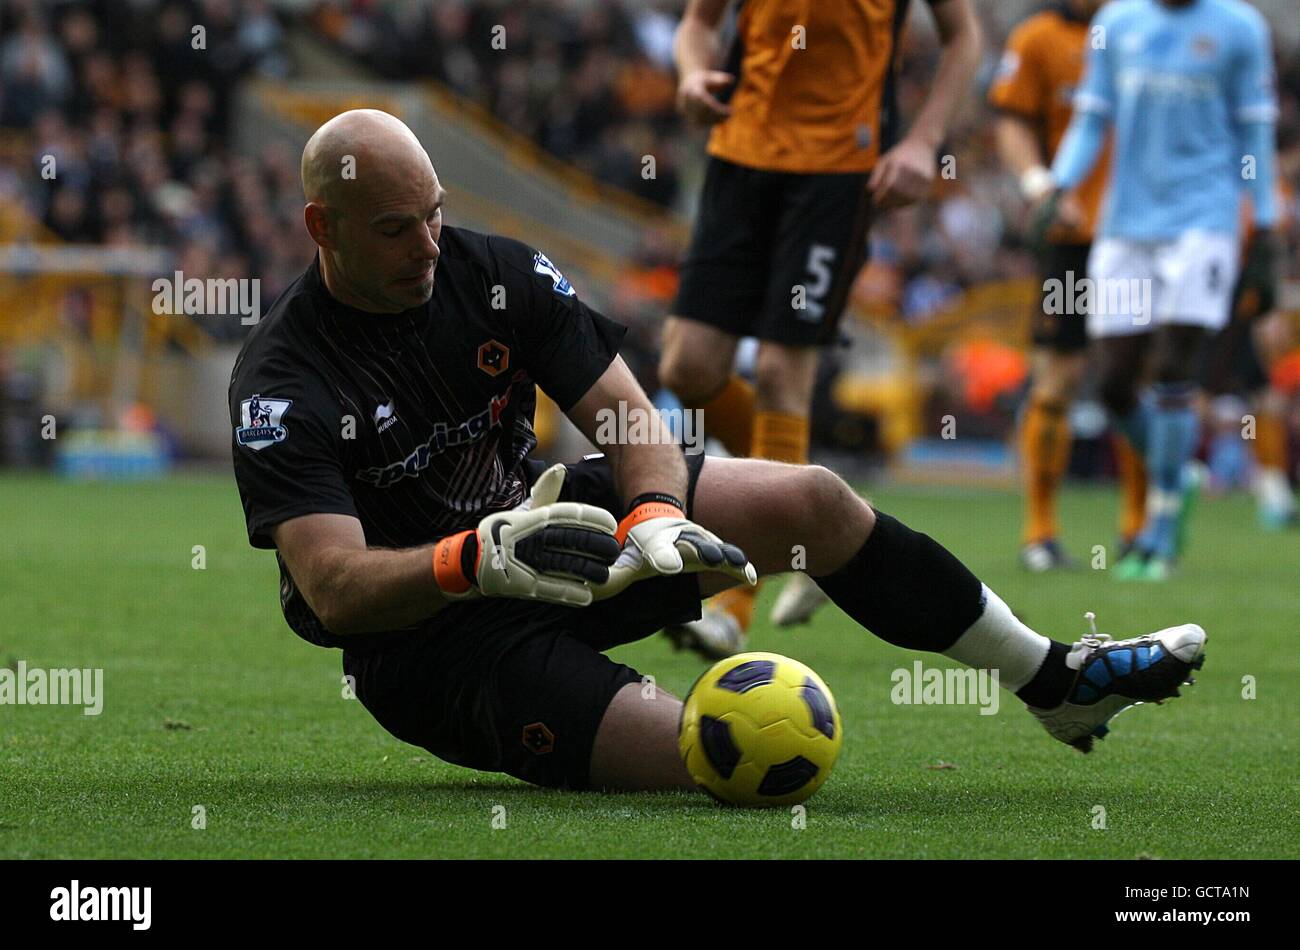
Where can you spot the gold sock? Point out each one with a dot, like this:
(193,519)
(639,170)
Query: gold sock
(739,602)
(1044,455)
(781,436)
(1270,441)
(1133,488)
(729,416)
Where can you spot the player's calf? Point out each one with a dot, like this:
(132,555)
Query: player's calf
(695,361)
(784,378)
(1122,360)
(1173,431)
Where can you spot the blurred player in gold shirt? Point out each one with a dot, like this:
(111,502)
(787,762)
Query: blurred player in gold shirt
(1032,91)
(805,147)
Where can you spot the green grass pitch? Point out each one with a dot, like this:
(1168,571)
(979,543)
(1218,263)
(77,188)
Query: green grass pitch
(211,701)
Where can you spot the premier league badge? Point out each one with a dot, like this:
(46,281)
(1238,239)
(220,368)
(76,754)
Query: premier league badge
(261,421)
(542,265)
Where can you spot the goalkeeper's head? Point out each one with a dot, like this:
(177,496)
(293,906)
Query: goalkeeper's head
(374,208)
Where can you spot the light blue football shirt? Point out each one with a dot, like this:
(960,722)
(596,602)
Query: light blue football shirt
(1181,87)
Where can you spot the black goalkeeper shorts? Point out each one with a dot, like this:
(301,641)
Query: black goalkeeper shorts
(518,686)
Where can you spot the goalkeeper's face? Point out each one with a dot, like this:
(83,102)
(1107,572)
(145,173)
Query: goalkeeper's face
(378,214)
(388,238)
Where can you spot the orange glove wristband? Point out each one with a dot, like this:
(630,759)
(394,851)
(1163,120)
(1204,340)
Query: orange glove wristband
(644,512)
(447,569)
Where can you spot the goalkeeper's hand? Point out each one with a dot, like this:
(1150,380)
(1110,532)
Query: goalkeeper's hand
(658,540)
(543,550)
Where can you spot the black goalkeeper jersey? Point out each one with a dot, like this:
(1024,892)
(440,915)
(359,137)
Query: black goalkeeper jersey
(415,423)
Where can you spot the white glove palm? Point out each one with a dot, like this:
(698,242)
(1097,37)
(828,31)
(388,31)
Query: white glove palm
(666,546)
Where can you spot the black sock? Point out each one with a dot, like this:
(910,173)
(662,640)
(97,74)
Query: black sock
(907,588)
(1051,684)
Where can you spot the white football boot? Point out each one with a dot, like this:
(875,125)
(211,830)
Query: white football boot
(1116,674)
(798,601)
(715,636)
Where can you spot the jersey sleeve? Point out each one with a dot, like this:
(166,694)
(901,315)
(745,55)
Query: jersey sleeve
(1019,85)
(565,344)
(287,453)
(1080,148)
(1252,89)
(1253,102)
(1096,92)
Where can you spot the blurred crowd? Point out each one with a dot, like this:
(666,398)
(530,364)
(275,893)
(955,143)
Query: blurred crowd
(591,83)
(137,122)
(116,120)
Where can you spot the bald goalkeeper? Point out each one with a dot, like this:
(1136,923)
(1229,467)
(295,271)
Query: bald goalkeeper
(382,414)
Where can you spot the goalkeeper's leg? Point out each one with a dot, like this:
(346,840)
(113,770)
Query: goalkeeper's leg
(801,517)
(908,589)
(636,745)
(901,585)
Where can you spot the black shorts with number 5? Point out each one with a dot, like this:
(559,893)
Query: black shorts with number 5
(1066,331)
(774,254)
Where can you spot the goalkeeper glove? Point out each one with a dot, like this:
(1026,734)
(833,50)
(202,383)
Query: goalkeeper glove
(1260,271)
(544,550)
(658,540)
(1042,220)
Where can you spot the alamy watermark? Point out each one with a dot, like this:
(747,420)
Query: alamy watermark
(633,425)
(34,686)
(945,687)
(214,296)
(75,902)
(1103,296)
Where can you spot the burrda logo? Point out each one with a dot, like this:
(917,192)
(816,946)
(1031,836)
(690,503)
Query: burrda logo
(385,415)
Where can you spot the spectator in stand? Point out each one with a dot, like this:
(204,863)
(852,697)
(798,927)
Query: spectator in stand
(140,161)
